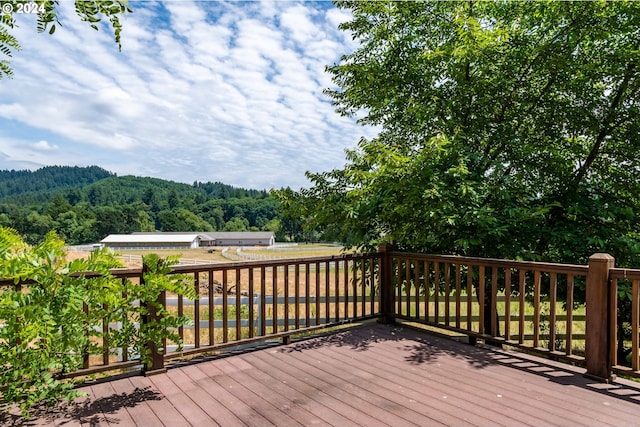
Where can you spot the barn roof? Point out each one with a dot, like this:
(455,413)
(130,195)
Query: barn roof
(151,238)
(177,237)
(239,235)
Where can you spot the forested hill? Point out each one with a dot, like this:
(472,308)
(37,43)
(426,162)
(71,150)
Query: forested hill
(86,204)
(49,178)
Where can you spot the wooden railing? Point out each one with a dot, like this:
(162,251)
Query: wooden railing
(534,306)
(566,312)
(503,302)
(239,304)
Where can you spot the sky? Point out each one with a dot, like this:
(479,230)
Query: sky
(201,91)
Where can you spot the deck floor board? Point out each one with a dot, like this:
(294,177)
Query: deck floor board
(369,375)
(505,385)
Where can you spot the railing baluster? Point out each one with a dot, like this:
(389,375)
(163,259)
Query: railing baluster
(469,297)
(507,303)
(211,308)
(372,285)
(407,287)
(196,310)
(180,314)
(307,296)
(416,282)
(569,327)
(447,292)
(250,303)
(336,267)
(553,286)
(427,290)
(125,349)
(105,342)
(274,293)
(354,274)
(397,271)
(436,291)
(297,295)
(346,288)
(494,301)
(458,290)
(481,298)
(263,301)
(536,309)
(318,304)
(327,292)
(85,354)
(522,279)
(238,305)
(225,307)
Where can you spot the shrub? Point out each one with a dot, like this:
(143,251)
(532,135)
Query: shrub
(52,311)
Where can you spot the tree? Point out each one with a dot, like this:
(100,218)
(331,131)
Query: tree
(90,11)
(144,222)
(507,129)
(236,224)
(39,225)
(212,212)
(295,209)
(182,220)
(57,206)
(275,225)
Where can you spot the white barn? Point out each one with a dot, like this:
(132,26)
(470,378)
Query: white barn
(176,240)
(241,238)
(154,241)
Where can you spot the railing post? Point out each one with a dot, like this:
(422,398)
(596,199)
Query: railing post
(597,331)
(156,364)
(387,294)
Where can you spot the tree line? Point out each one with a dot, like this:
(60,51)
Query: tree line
(84,205)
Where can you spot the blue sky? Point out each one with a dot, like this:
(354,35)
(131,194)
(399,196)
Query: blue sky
(206,91)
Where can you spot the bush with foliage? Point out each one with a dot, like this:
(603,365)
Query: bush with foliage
(52,311)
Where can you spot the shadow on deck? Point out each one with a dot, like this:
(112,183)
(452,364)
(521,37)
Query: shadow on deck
(370,375)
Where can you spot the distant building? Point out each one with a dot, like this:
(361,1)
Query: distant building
(241,238)
(177,240)
(153,241)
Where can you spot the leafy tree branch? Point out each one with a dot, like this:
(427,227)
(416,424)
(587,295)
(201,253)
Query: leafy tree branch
(90,11)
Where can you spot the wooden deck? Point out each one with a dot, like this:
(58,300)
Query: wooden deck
(371,375)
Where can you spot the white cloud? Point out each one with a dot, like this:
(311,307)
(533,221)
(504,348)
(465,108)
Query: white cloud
(302,28)
(44,146)
(207,91)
